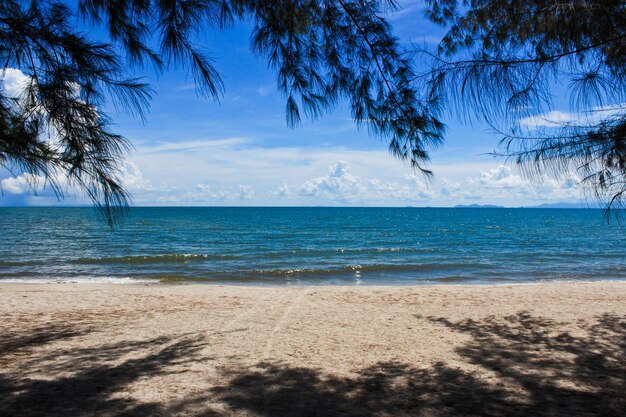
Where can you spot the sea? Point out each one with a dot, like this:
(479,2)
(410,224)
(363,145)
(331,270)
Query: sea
(311,246)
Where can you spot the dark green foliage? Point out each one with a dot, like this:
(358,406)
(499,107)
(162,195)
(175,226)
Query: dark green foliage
(53,128)
(323,52)
(327,51)
(501,60)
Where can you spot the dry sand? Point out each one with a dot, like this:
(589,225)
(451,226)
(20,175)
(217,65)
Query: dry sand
(113,350)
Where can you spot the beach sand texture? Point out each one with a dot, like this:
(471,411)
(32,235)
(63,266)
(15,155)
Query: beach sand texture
(124,350)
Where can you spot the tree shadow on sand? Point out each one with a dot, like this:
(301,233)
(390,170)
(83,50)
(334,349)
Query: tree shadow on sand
(84,381)
(522,367)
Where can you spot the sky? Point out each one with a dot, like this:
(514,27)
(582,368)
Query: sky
(191,151)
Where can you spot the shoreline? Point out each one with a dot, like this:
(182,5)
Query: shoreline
(141,283)
(554,349)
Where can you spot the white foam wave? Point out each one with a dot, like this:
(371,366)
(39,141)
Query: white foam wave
(77,280)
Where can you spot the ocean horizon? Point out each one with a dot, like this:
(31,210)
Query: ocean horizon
(311,245)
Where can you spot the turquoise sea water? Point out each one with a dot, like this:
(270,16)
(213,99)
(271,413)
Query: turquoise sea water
(375,246)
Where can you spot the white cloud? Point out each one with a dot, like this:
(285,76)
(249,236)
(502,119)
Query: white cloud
(554,118)
(499,184)
(28,184)
(341,186)
(35,190)
(224,172)
(241,192)
(504,184)
(338,185)
(501,177)
(245,192)
(132,178)
(406,8)
(31,184)
(23,184)
(265,90)
(412,190)
(237,170)
(193,145)
(557,118)
(14,81)
(201,194)
(227,164)
(283,191)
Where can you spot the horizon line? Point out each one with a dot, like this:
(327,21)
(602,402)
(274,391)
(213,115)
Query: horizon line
(458,206)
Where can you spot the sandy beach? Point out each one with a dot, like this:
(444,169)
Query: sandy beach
(208,350)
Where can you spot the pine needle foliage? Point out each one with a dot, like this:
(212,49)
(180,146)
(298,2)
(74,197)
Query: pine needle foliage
(504,60)
(323,51)
(52,127)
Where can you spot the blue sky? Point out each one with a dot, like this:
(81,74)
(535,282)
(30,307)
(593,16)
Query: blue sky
(193,151)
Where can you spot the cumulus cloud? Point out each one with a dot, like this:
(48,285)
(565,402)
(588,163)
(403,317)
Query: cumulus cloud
(132,178)
(283,191)
(200,194)
(241,192)
(338,185)
(29,184)
(235,171)
(285,173)
(503,183)
(341,186)
(501,177)
(245,192)
(412,190)
(34,190)
(23,184)
(32,184)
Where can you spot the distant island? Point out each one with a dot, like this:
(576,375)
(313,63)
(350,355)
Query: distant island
(478,206)
(567,205)
(561,205)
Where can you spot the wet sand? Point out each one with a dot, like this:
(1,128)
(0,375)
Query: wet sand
(206,350)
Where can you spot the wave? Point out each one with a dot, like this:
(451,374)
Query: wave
(76,280)
(385,249)
(359,269)
(453,278)
(148,259)
(419,272)
(329,251)
(22,263)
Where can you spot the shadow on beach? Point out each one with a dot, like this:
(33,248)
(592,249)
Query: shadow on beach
(516,366)
(84,381)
